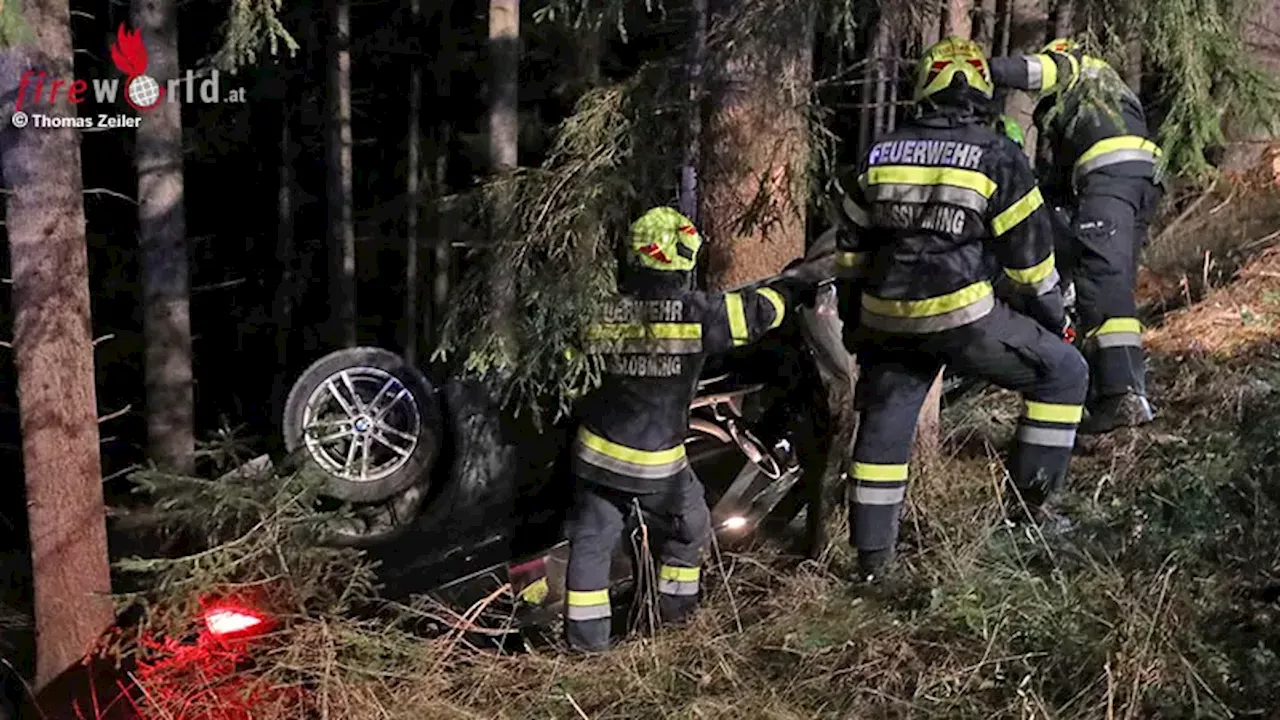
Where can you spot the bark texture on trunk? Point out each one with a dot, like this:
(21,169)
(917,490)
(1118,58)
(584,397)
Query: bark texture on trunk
(413,199)
(53,348)
(959,19)
(1027,20)
(504,145)
(1061,20)
(286,259)
(756,140)
(166,283)
(342,234)
(695,70)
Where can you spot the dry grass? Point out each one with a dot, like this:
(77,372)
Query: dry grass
(1162,604)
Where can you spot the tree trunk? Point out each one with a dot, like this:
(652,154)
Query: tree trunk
(412,285)
(342,234)
(1061,17)
(756,151)
(166,283)
(959,19)
(504,144)
(1027,20)
(1001,21)
(442,250)
(928,439)
(53,348)
(286,260)
(695,71)
(1133,64)
(983,19)
(879,57)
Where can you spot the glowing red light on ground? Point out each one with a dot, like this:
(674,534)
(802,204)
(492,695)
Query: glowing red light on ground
(227,621)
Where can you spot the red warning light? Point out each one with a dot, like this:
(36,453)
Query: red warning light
(230,621)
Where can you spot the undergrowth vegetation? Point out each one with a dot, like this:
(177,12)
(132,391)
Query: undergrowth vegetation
(1161,604)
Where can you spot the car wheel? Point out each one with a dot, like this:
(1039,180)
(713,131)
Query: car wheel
(366,420)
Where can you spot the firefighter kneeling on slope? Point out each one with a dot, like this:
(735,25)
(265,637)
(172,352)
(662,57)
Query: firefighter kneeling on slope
(930,209)
(653,340)
(1102,164)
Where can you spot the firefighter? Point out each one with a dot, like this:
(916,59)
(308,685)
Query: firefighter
(931,207)
(1099,162)
(653,340)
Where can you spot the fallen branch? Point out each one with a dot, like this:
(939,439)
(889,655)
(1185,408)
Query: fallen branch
(110,193)
(116,414)
(1182,216)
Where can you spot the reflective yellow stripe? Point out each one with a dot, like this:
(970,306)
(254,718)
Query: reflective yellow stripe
(632,331)
(1053,412)
(629,455)
(779,305)
(851,259)
(1109,151)
(679,574)
(737,318)
(537,592)
(1033,274)
(930,306)
(876,472)
(1075,71)
(1117,325)
(1048,73)
(587,598)
(1017,212)
(912,175)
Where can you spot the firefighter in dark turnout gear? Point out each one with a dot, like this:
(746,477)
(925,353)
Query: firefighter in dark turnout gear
(1101,163)
(931,209)
(630,446)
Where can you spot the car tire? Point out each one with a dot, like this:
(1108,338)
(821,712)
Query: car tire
(396,424)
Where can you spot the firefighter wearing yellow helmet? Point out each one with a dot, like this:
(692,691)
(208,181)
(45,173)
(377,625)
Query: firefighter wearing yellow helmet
(652,340)
(930,209)
(1100,163)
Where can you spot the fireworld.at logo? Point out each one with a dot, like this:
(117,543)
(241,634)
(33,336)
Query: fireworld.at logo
(141,91)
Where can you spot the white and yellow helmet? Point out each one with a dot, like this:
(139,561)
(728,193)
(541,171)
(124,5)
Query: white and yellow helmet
(948,58)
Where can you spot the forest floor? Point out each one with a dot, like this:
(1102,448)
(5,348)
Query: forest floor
(1162,603)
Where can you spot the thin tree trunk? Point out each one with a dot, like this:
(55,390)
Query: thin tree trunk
(342,235)
(867,115)
(959,19)
(442,251)
(166,284)
(1133,65)
(1000,36)
(931,23)
(286,260)
(983,19)
(504,143)
(879,55)
(412,285)
(53,350)
(695,69)
(928,439)
(754,182)
(1061,19)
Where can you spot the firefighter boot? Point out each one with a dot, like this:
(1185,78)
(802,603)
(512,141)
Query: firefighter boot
(1129,409)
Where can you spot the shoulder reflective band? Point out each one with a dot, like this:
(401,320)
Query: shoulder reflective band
(737,318)
(1053,412)
(678,581)
(587,605)
(910,184)
(642,338)
(1117,332)
(629,462)
(1039,278)
(1123,148)
(779,305)
(930,314)
(1017,212)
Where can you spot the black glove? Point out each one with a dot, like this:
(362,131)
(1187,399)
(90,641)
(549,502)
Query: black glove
(1046,309)
(801,292)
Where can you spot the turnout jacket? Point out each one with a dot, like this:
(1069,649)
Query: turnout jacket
(1093,124)
(633,426)
(933,212)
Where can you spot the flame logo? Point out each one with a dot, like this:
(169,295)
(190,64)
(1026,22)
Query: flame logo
(128,52)
(130,55)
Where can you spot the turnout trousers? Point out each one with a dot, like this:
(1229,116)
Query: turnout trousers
(595,529)
(1101,257)
(1005,348)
